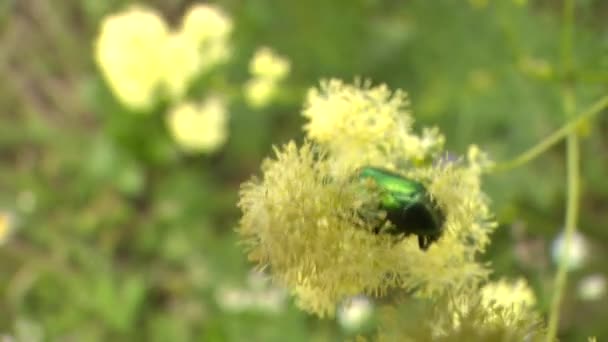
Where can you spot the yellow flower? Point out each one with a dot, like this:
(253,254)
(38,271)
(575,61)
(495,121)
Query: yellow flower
(6,225)
(181,63)
(516,296)
(259,92)
(199,127)
(500,305)
(209,28)
(129,53)
(267,64)
(268,69)
(303,218)
(363,124)
(459,316)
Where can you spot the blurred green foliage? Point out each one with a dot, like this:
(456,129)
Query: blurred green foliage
(118,235)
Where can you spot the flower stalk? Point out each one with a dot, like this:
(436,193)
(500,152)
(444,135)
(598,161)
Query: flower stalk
(573,172)
(552,139)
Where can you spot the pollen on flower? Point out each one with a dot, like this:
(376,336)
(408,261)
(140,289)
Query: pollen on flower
(129,53)
(199,127)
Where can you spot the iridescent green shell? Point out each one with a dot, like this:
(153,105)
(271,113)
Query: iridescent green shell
(408,205)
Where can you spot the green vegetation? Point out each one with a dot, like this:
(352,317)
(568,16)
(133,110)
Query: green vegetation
(117,233)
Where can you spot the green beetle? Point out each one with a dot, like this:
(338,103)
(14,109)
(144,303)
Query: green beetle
(408,206)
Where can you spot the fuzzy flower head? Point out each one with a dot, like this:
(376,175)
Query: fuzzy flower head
(199,127)
(209,28)
(500,303)
(516,296)
(315,225)
(129,53)
(467,316)
(365,123)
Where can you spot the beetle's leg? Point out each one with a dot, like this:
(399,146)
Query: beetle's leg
(423,243)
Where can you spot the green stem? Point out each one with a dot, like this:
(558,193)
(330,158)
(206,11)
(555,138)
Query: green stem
(573,177)
(552,139)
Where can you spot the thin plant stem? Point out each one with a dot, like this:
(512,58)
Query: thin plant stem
(552,139)
(573,172)
(573,179)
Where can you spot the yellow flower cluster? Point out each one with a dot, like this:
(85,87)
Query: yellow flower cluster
(208,27)
(141,57)
(497,312)
(509,301)
(303,219)
(267,69)
(364,124)
(199,127)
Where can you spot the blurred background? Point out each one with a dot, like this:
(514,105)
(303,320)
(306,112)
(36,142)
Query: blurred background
(110,230)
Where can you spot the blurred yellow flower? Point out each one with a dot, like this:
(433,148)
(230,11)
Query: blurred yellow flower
(5,226)
(303,218)
(467,316)
(267,69)
(199,127)
(181,63)
(139,55)
(129,52)
(209,28)
(259,92)
(268,65)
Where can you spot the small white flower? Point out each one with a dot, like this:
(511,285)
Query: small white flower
(258,295)
(271,300)
(592,287)
(233,299)
(355,312)
(577,252)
